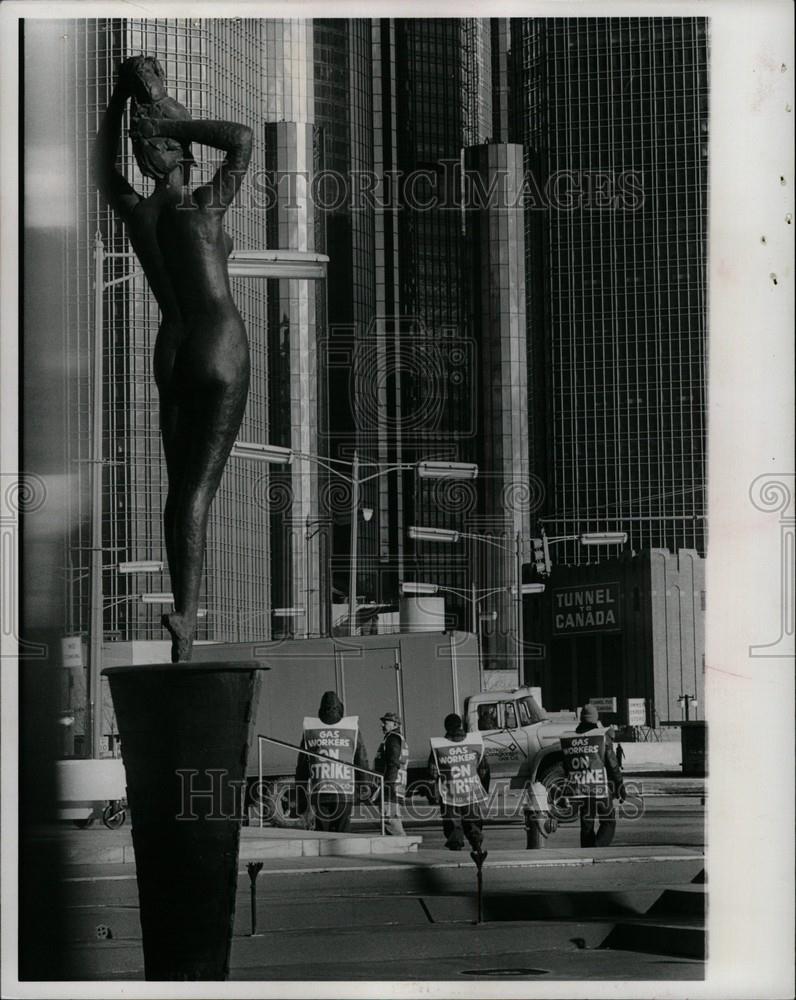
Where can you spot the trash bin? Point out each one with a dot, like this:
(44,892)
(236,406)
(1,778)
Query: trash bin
(693,742)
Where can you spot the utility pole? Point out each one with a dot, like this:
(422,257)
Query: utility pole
(352,579)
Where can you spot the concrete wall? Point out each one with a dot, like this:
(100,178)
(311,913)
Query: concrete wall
(677,631)
(657,651)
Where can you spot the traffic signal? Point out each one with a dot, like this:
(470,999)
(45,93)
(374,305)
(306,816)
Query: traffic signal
(541,557)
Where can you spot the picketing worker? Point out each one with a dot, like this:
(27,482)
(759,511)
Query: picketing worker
(327,787)
(594,778)
(460,770)
(392,759)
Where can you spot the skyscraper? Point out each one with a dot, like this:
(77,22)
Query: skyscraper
(401,100)
(613,114)
(444,105)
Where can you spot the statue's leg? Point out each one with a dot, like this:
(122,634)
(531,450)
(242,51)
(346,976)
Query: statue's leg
(174,448)
(207,428)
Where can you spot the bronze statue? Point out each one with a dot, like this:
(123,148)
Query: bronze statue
(201,360)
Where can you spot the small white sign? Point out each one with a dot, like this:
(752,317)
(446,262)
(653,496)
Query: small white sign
(603,705)
(636,712)
(72,651)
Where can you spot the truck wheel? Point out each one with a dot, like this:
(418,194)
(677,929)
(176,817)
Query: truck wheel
(281,804)
(113,816)
(554,780)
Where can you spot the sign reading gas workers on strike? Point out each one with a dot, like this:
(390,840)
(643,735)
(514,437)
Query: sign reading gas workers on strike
(584,765)
(337,742)
(457,763)
(586,609)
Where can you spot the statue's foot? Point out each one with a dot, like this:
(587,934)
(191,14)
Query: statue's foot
(181,636)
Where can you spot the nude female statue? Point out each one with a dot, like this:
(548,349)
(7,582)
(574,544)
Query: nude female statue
(201,361)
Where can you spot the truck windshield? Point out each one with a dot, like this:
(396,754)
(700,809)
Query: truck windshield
(529,711)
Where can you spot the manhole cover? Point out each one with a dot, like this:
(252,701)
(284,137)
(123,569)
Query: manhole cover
(504,972)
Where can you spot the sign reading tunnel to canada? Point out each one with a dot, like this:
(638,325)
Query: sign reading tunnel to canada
(586,609)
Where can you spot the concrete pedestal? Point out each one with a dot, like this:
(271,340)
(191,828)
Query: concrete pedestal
(185,732)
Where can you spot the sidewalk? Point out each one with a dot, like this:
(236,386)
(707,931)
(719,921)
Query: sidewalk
(560,914)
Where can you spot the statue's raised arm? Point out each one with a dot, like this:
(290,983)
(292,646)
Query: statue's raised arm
(113,185)
(234,139)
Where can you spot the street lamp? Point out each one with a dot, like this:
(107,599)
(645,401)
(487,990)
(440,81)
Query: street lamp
(541,545)
(160,597)
(270,453)
(474,597)
(518,590)
(141,566)
(447,470)
(433,534)
(603,538)
(419,588)
(425,470)
(425,534)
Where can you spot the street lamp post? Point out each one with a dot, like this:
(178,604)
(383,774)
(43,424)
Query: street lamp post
(541,545)
(352,578)
(424,470)
(449,535)
(96,616)
(685,701)
(474,596)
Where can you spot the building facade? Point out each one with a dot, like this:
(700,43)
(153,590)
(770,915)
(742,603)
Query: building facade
(625,628)
(515,213)
(613,115)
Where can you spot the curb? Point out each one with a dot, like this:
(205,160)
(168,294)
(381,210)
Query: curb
(572,862)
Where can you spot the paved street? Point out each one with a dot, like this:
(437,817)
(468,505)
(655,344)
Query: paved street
(677,822)
(555,913)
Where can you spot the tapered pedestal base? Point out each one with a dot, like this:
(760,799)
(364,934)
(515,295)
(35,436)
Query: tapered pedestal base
(185,731)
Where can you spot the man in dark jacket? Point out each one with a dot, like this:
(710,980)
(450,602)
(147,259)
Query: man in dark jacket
(593,809)
(327,788)
(460,796)
(391,761)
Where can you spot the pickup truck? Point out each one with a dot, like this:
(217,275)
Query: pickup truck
(521,743)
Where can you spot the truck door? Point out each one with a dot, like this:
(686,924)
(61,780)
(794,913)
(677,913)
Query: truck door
(503,741)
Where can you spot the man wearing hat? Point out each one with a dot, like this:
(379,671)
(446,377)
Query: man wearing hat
(596,808)
(391,761)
